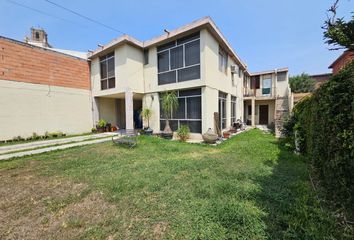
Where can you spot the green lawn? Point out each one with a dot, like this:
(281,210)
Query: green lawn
(246,188)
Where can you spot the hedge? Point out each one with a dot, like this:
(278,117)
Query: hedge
(324,123)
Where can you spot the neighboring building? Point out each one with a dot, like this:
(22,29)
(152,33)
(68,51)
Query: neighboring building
(42,90)
(320,78)
(197,62)
(346,57)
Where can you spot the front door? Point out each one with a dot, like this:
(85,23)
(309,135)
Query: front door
(263,114)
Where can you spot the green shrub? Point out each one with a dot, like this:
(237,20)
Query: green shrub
(325,126)
(183,133)
(101,123)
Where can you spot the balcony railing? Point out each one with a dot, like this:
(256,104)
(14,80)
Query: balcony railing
(260,92)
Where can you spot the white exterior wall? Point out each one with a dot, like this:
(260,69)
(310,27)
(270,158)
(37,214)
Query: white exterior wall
(218,80)
(129,72)
(26,108)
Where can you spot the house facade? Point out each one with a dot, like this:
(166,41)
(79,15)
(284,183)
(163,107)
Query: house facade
(198,63)
(118,80)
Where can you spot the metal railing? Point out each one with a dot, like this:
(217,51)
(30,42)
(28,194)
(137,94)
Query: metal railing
(260,92)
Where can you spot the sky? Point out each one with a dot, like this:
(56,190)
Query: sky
(266,34)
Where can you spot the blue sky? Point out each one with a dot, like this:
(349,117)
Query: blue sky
(266,34)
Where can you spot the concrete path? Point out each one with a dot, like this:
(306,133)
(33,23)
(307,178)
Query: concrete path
(48,149)
(44,143)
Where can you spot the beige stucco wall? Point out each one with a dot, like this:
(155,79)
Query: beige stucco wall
(129,71)
(107,109)
(218,80)
(26,108)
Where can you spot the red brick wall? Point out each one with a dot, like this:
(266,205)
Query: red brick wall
(26,63)
(342,61)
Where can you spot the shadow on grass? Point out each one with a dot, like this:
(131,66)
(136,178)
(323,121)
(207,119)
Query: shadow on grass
(291,207)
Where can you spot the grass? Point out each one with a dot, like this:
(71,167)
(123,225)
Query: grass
(246,188)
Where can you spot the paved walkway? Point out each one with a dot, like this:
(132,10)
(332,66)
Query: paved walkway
(47,145)
(44,143)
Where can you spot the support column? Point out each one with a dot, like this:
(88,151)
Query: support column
(95,110)
(253,116)
(129,118)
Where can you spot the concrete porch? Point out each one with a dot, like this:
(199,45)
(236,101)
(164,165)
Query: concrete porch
(121,110)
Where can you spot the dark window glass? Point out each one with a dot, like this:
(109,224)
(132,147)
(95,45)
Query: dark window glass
(188,38)
(146,56)
(281,76)
(222,94)
(103,68)
(110,68)
(181,111)
(192,55)
(194,126)
(194,108)
(166,46)
(190,73)
(176,57)
(163,61)
(167,77)
(190,92)
(249,111)
(104,85)
(112,83)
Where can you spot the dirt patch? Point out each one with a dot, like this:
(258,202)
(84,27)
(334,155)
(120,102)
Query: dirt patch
(160,229)
(33,207)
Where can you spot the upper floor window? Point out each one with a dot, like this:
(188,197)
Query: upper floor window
(179,60)
(107,71)
(222,60)
(146,56)
(233,109)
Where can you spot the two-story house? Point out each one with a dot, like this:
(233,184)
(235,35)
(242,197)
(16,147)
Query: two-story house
(196,61)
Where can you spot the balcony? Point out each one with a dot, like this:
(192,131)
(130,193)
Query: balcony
(259,93)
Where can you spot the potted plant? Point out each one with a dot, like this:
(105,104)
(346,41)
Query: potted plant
(146,114)
(183,133)
(226,134)
(169,104)
(101,126)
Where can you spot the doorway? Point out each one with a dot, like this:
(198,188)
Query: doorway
(263,114)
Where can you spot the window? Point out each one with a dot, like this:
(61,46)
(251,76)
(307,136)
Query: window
(233,109)
(255,82)
(189,111)
(37,35)
(281,76)
(222,60)
(179,60)
(146,56)
(222,109)
(240,73)
(266,84)
(107,70)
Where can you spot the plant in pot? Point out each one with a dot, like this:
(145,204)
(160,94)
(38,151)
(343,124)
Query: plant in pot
(146,114)
(101,126)
(169,104)
(183,133)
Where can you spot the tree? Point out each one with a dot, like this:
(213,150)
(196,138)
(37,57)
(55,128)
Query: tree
(146,114)
(169,104)
(338,33)
(302,83)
